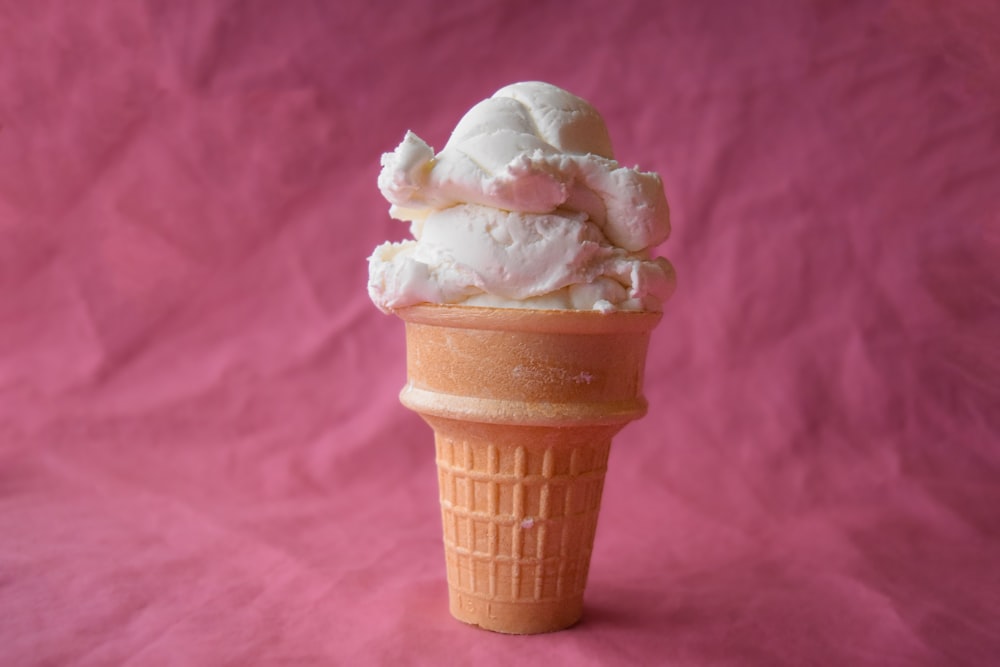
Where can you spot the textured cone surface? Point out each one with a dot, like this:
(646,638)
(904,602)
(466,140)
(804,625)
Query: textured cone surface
(523,405)
(519,517)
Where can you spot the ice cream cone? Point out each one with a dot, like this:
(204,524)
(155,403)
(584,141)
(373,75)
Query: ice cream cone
(524,404)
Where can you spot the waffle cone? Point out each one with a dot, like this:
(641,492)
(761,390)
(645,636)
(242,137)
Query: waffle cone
(524,404)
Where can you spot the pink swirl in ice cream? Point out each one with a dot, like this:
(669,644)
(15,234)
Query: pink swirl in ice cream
(525,207)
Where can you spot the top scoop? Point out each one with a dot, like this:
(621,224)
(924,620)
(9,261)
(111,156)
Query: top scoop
(524,207)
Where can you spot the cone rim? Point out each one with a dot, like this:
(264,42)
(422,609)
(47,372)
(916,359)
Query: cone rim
(530,319)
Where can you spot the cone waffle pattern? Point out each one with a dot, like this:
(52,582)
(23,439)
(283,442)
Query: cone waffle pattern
(519,520)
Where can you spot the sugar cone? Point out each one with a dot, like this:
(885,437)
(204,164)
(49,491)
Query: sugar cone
(523,404)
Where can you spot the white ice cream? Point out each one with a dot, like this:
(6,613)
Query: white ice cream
(524,207)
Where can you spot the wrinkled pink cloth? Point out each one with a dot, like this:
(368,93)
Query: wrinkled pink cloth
(202,456)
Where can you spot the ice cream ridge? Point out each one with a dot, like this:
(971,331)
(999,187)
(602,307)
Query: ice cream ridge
(524,207)
(529,293)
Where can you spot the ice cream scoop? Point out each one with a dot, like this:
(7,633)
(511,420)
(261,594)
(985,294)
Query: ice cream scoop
(524,207)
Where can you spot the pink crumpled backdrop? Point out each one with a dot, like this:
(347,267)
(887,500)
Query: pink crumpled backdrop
(202,457)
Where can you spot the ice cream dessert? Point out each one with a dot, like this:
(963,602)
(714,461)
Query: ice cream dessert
(529,293)
(524,207)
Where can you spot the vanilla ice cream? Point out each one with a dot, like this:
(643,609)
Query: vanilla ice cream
(524,207)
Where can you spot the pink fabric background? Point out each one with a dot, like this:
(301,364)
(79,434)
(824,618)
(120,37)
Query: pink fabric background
(202,457)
